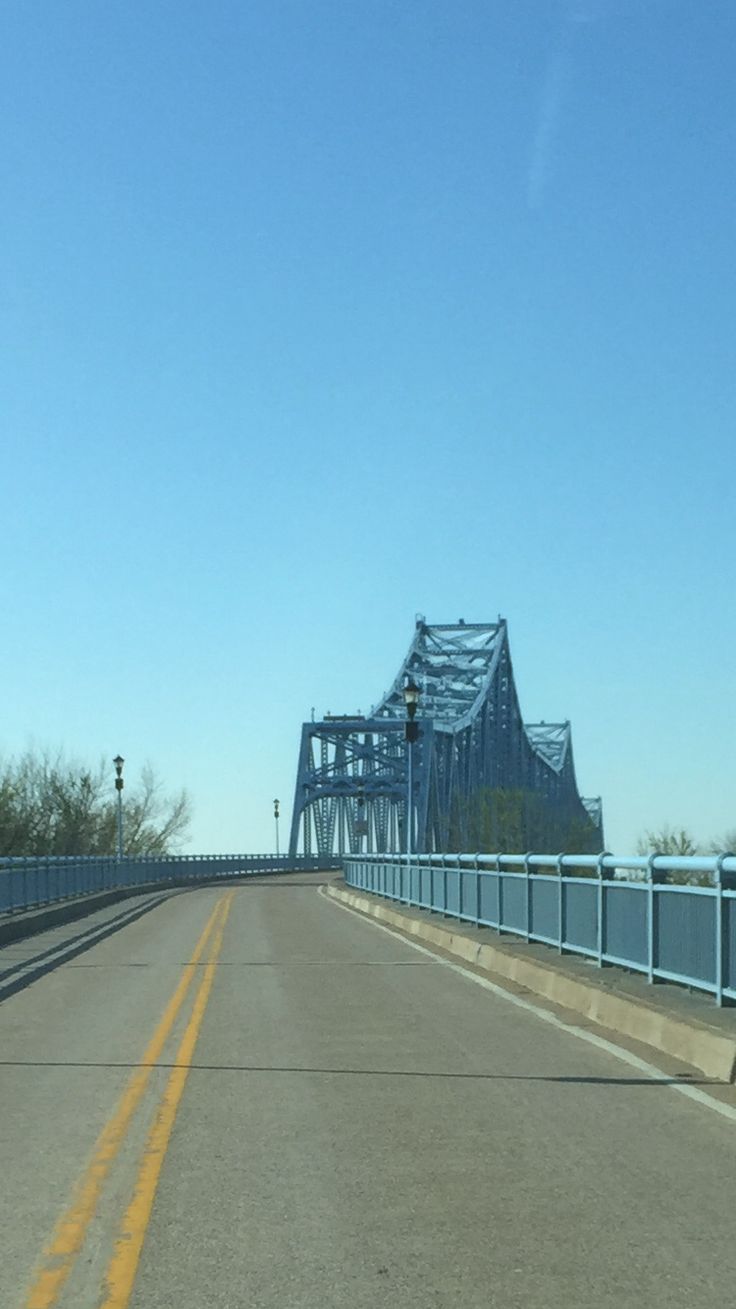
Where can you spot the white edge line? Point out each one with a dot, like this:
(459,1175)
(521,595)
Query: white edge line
(691,1092)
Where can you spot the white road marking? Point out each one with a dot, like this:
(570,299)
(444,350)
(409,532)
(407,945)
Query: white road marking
(641,1065)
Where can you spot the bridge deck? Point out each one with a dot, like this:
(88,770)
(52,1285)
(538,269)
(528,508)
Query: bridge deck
(360,1127)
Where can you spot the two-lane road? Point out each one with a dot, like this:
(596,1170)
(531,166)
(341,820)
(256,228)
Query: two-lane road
(250,1097)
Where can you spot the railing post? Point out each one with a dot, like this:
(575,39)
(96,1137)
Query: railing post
(445,904)
(600,904)
(651,916)
(528,897)
(477,890)
(499,875)
(560,903)
(721,957)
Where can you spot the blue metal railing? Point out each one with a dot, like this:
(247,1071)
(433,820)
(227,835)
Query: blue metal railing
(33,883)
(580,903)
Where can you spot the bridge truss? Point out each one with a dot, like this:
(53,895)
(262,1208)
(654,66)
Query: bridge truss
(478,772)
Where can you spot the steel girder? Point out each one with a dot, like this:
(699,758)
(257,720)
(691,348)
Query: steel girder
(352,780)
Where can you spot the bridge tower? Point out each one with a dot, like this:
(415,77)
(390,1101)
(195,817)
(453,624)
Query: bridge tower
(479,772)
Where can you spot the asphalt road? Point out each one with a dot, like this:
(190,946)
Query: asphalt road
(248,1098)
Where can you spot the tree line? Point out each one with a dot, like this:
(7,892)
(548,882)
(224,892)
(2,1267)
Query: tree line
(515,821)
(53,806)
(678,841)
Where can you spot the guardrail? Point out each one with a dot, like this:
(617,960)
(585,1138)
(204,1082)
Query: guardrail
(33,883)
(580,904)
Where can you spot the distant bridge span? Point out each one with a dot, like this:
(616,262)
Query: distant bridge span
(481,778)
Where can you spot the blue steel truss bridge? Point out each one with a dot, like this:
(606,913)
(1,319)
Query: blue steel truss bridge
(480,778)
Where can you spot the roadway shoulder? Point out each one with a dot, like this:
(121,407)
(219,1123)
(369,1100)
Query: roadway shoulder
(683,1025)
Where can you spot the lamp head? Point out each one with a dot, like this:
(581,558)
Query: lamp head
(411,696)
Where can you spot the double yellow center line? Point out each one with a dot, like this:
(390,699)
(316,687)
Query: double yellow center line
(70,1231)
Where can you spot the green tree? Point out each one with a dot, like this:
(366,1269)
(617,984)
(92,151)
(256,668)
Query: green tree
(513,821)
(50,806)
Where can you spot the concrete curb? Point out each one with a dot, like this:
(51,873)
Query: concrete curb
(691,1042)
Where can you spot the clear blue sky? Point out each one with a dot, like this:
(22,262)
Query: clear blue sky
(319,313)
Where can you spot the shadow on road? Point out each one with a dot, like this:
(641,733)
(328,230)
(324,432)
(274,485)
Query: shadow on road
(24,972)
(678,1080)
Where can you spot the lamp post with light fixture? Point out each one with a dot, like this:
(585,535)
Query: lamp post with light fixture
(118,762)
(276,817)
(361,826)
(411,733)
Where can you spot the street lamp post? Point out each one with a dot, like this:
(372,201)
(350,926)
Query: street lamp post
(276,816)
(411,732)
(118,762)
(361,827)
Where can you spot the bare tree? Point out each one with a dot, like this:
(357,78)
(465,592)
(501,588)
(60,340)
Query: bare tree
(725,844)
(674,841)
(155,823)
(50,806)
(667,840)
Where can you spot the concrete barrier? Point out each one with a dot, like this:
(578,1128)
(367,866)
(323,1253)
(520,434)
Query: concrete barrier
(691,1041)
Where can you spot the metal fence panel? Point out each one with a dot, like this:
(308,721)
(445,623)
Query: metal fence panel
(544,916)
(513,903)
(436,885)
(489,894)
(729,943)
(581,914)
(625,935)
(469,894)
(452,886)
(414,887)
(685,935)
